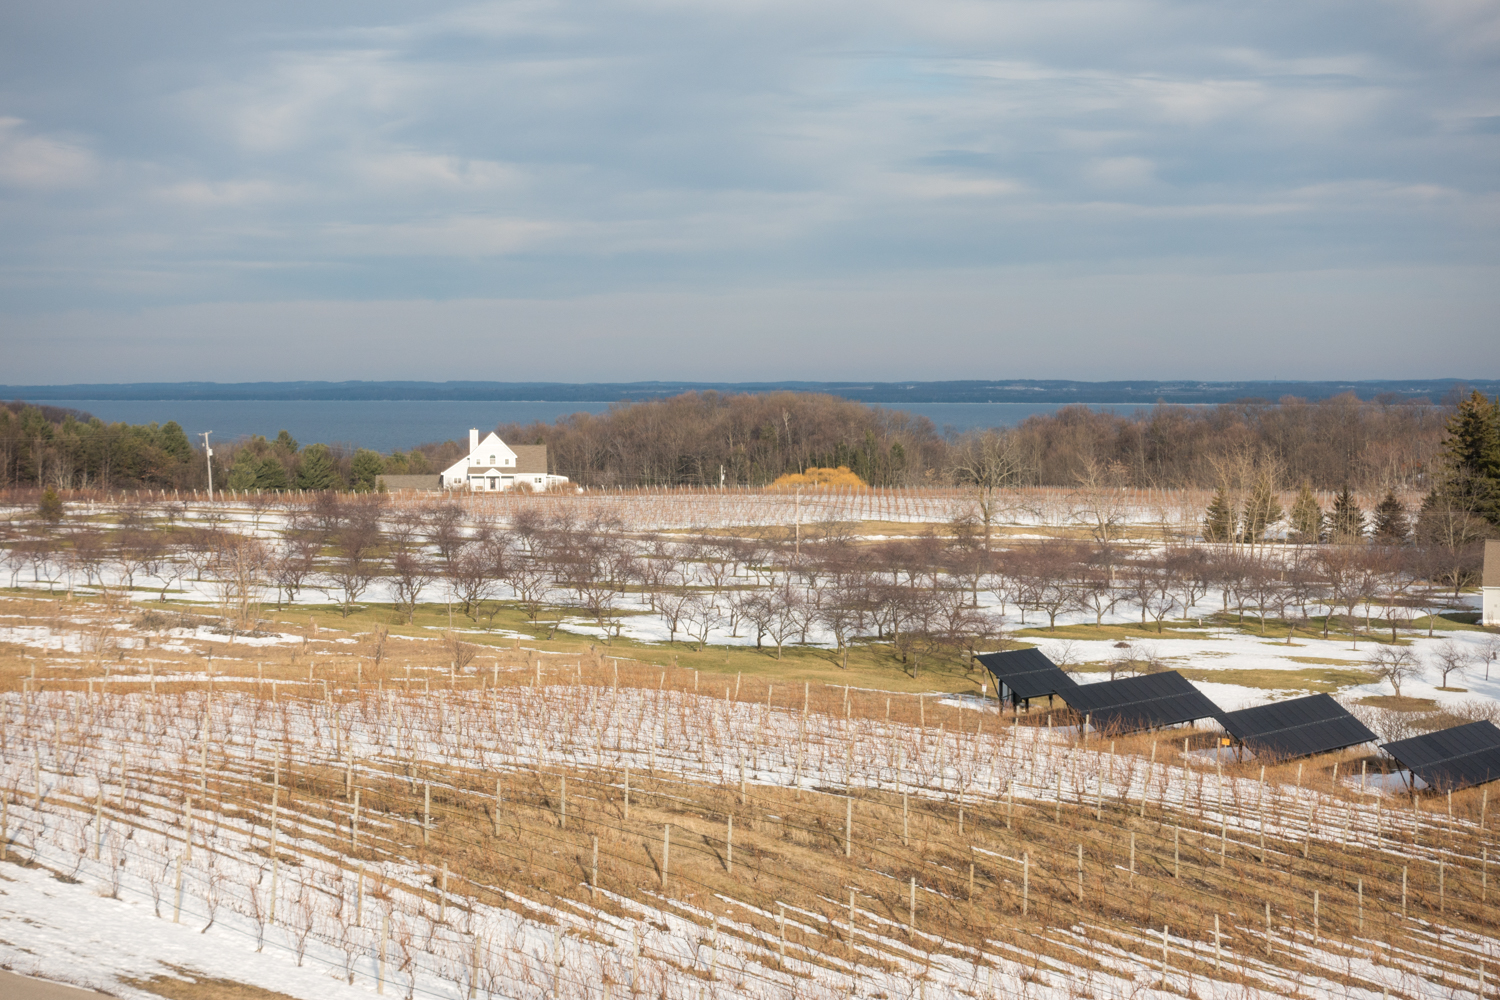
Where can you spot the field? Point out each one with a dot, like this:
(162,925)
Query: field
(336,824)
(209,791)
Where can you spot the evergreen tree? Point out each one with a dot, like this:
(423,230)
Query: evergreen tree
(1307,517)
(318,471)
(1347,522)
(1219,519)
(366,467)
(271,475)
(285,443)
(243,473)
(1391,524)
(1262,510)
(1471,457)
(51,507)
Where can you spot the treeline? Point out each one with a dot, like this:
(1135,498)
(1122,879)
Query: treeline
(752,439)
(703,438)
(46,446)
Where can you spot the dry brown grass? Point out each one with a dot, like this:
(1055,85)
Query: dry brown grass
(789,845)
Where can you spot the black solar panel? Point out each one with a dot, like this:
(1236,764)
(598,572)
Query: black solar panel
(1144,702)
(1028,673)
(1297,728)
(1451,758)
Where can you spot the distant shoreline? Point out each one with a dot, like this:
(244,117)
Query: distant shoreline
(1123,393)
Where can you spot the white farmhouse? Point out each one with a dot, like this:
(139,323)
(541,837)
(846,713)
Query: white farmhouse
(492,464)
(1489,585)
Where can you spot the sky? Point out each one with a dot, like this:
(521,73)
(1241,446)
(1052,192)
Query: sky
(749,189)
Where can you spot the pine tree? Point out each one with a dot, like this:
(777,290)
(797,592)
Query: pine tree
(1219,519)
(243,473)
(1347,522)
(1307,517)
(364,470)
(318,471)
(1471,456)
(51,507)
(1391,524)
(271,475)
(1262,510)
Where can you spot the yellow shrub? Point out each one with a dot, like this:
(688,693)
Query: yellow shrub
(815,476)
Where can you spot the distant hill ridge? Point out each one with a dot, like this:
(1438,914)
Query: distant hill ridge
(885,393)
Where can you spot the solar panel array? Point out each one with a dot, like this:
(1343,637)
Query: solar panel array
(1145,702)
(1027,673)
(1451,758)
(1298,727)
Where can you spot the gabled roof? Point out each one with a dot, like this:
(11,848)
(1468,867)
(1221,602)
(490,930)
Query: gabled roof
(1145,702)
(1298,727)
(1451,758)
(531,459)
(1028,673)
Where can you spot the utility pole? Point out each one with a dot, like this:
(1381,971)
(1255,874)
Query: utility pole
(208,456)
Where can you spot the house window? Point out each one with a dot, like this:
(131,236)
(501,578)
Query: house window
(492,459)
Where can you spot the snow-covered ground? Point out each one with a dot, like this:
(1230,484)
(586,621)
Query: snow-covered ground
(98,919)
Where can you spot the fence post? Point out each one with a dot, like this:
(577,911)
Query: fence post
(594,871)
(849,825)
(729,845)
(177,893)
(426,812)
(911,919)
(1025,883)
(666,846)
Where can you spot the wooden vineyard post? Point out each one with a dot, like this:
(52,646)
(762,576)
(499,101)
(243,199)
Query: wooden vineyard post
(1163,956)
(1025,883)
(354,823)
(177,893)
(495,813)
(1315,918)
(594,869)
(1268,927)
(905,830)
(1441,908)
(426,812)
(1217,944)
(627,791)
(474,971)
(849,826)
(911,916)
(385,936)
(666,846)
(742,777)
(1177,852)
(1080,873)
(1359,890)
(563,798)
(781,926)
(4,824)
(1484,875)
(443,895)
(851,896)
(1132,858)
(1403,892)
(729,845)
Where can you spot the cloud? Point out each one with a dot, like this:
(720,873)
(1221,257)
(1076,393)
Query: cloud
(42,162)
(564,150)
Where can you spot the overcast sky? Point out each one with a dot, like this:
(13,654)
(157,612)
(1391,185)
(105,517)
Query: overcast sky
(637,189)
